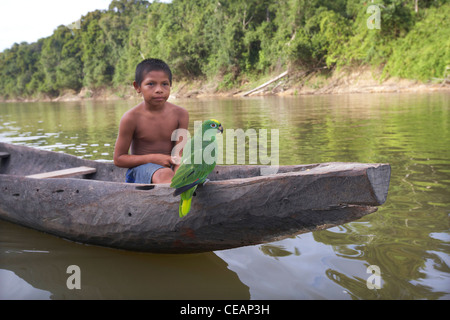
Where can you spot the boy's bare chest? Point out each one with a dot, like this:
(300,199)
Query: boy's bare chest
(155,129)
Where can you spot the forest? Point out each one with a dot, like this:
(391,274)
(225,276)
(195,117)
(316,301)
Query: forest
(229,42)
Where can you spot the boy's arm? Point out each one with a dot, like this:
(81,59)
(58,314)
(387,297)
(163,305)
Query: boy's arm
(123,142)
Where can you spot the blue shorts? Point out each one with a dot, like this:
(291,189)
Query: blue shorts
(142,173)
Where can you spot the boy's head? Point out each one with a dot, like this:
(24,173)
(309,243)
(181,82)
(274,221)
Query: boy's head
(151,65)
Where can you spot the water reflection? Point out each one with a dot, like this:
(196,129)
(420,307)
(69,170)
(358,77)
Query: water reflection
(402,262)
(276,251)
(408,238)
(85,129)
(33,265)
(298,273)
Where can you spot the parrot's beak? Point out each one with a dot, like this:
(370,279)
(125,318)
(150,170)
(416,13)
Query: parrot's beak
(220,128)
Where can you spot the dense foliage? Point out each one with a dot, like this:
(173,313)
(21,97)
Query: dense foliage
(230,40)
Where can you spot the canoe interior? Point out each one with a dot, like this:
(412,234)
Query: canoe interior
(24,161)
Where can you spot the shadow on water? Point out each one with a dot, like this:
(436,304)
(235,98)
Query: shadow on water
(33,265)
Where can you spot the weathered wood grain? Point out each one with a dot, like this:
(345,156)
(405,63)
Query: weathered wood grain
(65,173)
(238,207)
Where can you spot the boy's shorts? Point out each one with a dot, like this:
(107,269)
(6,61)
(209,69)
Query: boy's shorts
(142,173)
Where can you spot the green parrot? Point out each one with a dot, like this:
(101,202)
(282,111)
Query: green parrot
(196,164)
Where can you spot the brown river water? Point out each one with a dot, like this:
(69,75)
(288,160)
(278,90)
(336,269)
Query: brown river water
(406,242)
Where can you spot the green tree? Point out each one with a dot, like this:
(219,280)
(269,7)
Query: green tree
(230,41)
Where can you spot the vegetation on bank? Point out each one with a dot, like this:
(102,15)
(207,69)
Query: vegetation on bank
(231,42)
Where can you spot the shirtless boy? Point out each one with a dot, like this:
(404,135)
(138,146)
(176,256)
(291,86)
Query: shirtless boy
(146,129)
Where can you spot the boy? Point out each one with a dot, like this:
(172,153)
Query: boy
(147,128)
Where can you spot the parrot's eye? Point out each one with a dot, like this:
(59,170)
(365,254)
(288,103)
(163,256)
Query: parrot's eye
(213,125)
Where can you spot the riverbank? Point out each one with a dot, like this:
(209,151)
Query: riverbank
(361,80)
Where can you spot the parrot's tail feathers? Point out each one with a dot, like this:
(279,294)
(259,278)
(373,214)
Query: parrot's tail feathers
(182,189)
(185,207)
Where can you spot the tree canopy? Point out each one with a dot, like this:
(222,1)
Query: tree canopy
(229,40)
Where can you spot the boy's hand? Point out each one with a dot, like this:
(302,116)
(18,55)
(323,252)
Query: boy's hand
(163,159)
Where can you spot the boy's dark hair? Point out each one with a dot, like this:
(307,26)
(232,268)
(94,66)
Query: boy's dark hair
(148,65)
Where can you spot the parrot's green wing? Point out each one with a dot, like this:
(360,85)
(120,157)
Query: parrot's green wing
(190,174)
(186,179)
(194,169)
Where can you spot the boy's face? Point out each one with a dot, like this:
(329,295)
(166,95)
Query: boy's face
(155,87)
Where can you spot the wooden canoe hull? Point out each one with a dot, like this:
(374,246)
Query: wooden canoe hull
(237,208)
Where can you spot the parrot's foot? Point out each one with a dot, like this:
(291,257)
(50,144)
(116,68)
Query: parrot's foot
(206,181)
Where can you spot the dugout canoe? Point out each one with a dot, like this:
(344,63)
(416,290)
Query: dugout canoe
(238,207)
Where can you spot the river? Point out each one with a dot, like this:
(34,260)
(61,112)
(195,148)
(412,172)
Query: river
(407,241)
